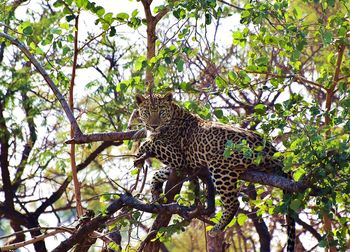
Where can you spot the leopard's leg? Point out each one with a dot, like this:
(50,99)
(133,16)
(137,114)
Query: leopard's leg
(206,177)
(145,151)
(157,181)
(225,182)
(170,155)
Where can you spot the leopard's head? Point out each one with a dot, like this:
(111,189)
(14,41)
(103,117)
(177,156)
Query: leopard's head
(155,111)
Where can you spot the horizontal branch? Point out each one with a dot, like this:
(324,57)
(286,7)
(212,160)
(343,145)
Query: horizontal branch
(277,181)
(108,137)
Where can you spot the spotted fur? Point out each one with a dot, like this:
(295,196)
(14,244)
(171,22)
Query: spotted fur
(182,140)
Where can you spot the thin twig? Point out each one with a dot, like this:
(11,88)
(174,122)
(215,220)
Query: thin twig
(231,5)
(76,183)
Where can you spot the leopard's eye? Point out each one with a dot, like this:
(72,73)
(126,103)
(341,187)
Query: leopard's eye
(162,113)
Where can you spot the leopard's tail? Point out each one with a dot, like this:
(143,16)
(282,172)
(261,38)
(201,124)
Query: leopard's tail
(290,232)
(277,168)
(290,221)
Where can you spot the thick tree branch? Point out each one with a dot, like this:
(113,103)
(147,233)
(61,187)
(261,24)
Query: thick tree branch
(277,181)
(4,162)
(110,136)
(13,215)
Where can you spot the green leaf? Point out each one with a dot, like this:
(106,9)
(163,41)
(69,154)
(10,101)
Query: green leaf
(179,13)
(218,113)
(28,30)
(262,61)
(232,76)
(140,62)
(277,155)
(134,172)
(81,3)
(295,55)
(105,197)
(100,11)
(323,243)
(58,3)
(220,82)
(70,17)
(207,19)
(134,13)
(179,64)
(259,148)
(241,218)
(25,28)
(295,204)
(260,109)
(136,215)
(227,153)
(56,31)
(297,12)
(38,50)
(298,173)
(108,17)
(327,37)
(122,16)
(64,26)
(342,31)
(185,86)
(121,87)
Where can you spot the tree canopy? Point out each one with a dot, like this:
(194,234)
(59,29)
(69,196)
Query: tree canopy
(69,71)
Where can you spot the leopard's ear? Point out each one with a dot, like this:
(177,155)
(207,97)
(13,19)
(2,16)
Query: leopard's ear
(168,97)
(139,99)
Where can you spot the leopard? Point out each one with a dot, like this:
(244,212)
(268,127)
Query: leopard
(182,140)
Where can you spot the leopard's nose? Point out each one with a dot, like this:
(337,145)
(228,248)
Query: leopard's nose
(154,126)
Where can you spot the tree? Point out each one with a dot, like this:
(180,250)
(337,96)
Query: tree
(284,73)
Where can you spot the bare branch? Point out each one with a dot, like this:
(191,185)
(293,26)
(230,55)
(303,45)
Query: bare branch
(232,5)
(72,131)
(34,240)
